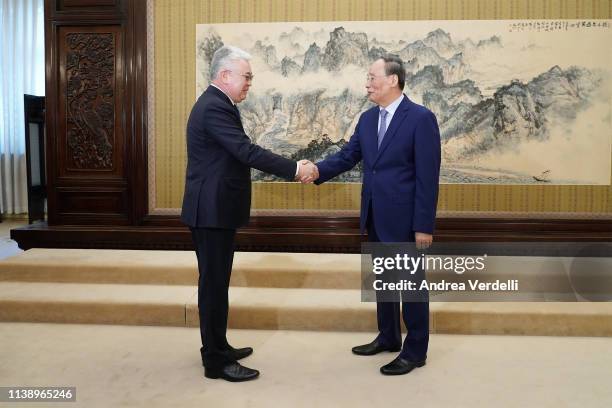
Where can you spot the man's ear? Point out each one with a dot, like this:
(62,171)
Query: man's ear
(394,80)
(224,77)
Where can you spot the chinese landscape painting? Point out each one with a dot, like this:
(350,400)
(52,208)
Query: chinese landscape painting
(517,101)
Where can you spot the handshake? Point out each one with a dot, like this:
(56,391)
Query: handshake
(308,172)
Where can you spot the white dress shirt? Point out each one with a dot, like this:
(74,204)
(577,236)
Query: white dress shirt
(391,108)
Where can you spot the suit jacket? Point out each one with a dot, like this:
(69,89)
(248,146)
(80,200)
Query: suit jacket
(219,158)
(400,179)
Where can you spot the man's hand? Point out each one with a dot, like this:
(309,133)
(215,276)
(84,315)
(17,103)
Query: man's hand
(423,240)
(308,172)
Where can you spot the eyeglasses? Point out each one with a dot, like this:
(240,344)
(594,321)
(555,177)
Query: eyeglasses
(370,78)
(248,77)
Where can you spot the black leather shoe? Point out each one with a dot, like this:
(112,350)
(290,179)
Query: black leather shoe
(240,353)
(373,348)
(233,372)
(400,366)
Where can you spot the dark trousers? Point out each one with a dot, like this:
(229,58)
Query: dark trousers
(415,316)
(215,251)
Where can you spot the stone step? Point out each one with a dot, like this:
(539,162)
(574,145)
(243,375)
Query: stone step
(282,308)
(256,269)
(252,269)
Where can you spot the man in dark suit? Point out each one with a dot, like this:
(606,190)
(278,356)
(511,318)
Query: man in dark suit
(217,200)
(399,144)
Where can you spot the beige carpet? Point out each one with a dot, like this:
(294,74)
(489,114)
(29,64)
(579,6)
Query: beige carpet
(130,366)
(269,291)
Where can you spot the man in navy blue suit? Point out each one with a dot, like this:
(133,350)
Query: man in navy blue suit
(399,144)
(217,200)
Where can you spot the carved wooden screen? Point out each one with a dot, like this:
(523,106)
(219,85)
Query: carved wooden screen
(91,122)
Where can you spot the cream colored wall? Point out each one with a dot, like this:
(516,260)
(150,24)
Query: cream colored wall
(173,94)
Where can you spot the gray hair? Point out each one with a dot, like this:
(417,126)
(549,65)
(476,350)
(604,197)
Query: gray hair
(224,56)
(395,66)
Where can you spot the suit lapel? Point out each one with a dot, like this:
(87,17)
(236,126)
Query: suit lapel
(372,129)
(398,117)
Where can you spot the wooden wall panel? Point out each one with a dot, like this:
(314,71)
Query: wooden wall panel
(92,119)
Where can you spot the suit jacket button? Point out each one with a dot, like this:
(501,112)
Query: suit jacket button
(374,172)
